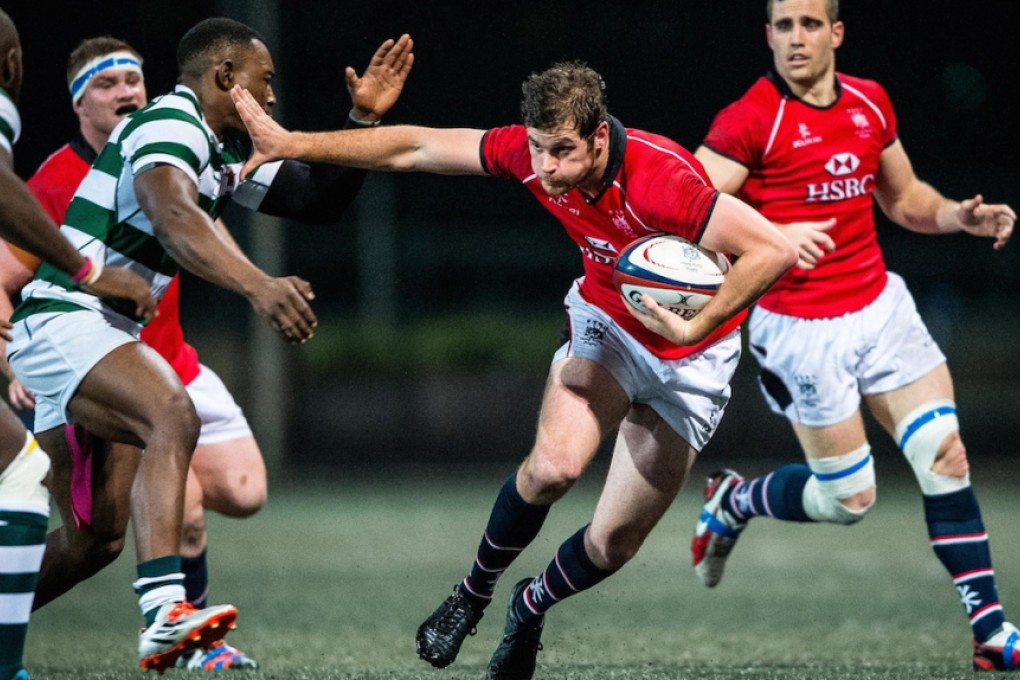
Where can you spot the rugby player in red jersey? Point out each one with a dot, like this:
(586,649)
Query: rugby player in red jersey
(813,149)
(663,391)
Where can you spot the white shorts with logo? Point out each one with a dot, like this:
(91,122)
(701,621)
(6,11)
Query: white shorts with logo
(814,371)
(53,352)
(222,419)
(690,394)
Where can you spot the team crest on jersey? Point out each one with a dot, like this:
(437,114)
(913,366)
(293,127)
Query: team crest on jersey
(619,218)
(860,120)
(805,137)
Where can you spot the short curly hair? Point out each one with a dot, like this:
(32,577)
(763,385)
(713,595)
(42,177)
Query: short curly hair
(567,94)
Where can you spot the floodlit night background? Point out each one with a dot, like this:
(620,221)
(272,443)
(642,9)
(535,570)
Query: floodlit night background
(439,297)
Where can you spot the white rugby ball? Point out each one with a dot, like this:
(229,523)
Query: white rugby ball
(677,274)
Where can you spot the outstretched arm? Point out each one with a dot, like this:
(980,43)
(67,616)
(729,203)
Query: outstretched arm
(320,193)
(402,148)
(917,206)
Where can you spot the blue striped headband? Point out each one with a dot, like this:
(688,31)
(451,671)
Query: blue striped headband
(118,60)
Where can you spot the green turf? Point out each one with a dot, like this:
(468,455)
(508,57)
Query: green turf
(333,579)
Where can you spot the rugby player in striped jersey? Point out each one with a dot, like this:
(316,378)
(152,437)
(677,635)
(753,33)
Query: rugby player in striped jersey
(148,203)
(24,467)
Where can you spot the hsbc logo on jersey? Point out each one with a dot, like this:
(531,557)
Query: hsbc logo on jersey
(842,165)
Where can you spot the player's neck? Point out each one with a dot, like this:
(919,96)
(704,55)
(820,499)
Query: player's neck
(94,138)
(819,92)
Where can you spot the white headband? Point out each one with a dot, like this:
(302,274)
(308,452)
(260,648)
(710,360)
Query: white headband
(120,60)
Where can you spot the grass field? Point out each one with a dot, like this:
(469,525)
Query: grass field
(332,580)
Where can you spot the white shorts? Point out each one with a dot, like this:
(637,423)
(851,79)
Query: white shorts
(690,394)
(814,371)
(53,352)
(222,419)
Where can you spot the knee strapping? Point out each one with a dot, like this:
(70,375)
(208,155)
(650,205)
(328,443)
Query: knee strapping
(837,478)
(21,484)
(920,434)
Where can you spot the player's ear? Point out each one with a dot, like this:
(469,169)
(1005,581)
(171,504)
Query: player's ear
(837,34)
(601,136)
(225,75)
(10,72)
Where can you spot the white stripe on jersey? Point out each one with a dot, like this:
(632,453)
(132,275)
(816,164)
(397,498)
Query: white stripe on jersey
(667,151)
(775,127)
(878,112)
(99,188)
(12,119)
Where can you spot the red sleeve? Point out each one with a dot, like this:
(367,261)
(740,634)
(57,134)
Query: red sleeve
(504,152)
(53,199)
(739,133)
(886,107)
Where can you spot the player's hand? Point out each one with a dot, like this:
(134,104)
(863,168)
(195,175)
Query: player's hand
(663,322)
(268,137)
(20,398)
(810,240)
(284,302)
(5,331)
(994,220)
(374,93)
(123,284)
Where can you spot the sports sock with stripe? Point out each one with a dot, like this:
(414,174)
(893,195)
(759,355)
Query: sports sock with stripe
(959,540)
(779,495)
(160,582)
(513,525)
(22,543)
(569,573)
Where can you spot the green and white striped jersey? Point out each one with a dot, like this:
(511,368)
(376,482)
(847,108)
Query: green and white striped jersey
(10,122)
(104,221)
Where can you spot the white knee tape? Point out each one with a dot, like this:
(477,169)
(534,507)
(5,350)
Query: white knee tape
(846,475)
(836,478)
(21,484)
(920,434)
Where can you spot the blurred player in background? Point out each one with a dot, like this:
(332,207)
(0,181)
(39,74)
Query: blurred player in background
(665,395)
(813,149)
(24,467)
(175,163)
(227,473)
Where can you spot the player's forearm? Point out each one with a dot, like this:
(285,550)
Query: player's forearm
(924,210)
(198,247)
(390,148)
(752,274)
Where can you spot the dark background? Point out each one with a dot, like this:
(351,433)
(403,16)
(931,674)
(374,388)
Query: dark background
(471,246)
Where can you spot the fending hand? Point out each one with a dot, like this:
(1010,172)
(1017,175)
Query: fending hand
(268,137)
(374,93)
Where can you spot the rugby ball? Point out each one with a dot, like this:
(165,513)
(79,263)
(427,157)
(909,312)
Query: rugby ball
(679,275)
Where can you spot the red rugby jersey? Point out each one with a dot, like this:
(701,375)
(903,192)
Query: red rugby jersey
(651,184)
(54,184)
(808,164)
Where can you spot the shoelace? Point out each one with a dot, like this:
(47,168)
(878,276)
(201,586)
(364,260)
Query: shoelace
(454,617)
